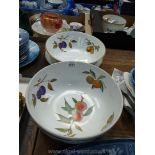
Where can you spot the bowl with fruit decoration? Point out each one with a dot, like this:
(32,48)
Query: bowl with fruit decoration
(74,102)
(75,46)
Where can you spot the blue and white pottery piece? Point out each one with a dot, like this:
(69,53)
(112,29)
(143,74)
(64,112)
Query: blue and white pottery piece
(126,76)
(33,54)
(104,147)
(132,77)
(23,45)
(23,36)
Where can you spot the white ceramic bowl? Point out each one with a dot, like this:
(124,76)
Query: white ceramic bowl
(113,23)
(74,101)
(75,26)
(75,46)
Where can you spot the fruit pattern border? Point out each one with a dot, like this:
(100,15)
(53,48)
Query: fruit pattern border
(62,44)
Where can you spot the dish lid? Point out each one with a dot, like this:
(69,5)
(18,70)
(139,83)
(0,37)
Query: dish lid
(75,46)
(114,19)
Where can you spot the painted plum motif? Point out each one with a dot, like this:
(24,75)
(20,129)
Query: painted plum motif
(62,44)
(41,91)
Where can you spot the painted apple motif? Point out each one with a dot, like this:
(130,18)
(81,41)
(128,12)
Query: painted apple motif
(80,106)
(77,116)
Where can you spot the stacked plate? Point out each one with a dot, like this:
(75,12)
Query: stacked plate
(28,50)
(23,45)
(74,46)
(132,77)
(129,78)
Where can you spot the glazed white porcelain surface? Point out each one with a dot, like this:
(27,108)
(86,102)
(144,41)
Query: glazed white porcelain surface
(112,23)
(51,60)
(75,46)
(67,87)
(38,28)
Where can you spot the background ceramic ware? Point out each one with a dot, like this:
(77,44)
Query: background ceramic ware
(75,26)
(33,53)
(132,77)
(105,147)
(39,29)
(74,101)
(128,84)
(113,23)
(75,46)
(23,45)
(23,37)
(51,22)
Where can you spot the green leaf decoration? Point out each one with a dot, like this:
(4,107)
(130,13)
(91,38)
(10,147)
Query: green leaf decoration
(72,135)
(78,127)
(110,119)
(70,45)
(73,41)
(74,100)
(89,79)
(60,37)
(50,86)
(104,85)
(70,118)
(53,80)
(44,99)
(88,42)
(34,99)
(55,46)
(97,48)
(89,111)
(105,126)
(64,108)
(64,119)
(68,108)
(92,87)
(64,130)
(102,88)
(70,132)
(92,73)
(86,72)
(101,77)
